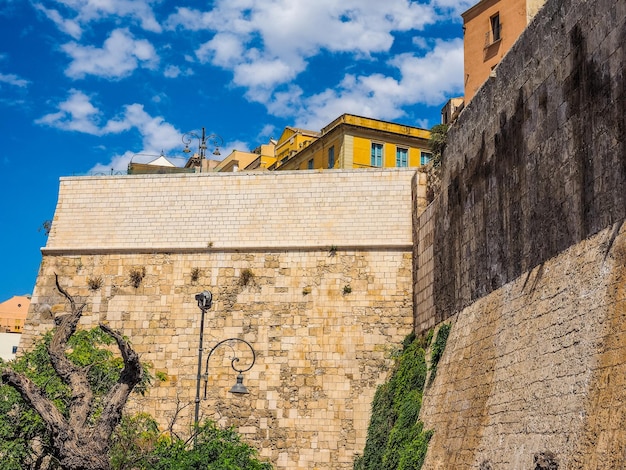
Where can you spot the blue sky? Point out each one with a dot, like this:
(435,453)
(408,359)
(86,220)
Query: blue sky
(85,85)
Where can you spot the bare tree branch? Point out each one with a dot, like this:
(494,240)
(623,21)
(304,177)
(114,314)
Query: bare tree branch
(70,373)
(129,377)
(33,395)
(77,444)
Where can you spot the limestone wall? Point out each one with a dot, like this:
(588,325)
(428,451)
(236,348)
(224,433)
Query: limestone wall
(536,161)
(323,323)
(537,368)
(529,246)
(299,209)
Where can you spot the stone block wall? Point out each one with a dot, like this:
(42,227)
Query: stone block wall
(536,368)
(529,246)
(423,261)
(536,161)
(324,323)
(299,209)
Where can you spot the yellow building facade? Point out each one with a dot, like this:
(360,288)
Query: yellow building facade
(357,142)
(291,142)
(261,158)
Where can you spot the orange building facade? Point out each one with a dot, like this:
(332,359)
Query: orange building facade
(491,27)
(13,314)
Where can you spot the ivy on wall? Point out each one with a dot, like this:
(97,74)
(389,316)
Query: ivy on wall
(396,439)
(436,350)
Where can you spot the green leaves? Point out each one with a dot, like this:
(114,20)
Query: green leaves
(437,348)
(20,425)
(395,437)
(438,140)
(137,444)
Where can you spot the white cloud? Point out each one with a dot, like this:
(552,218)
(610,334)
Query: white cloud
(14,80)
(87,11)
(174,71)
(156,134)
(453,8)
(224,50)
(74,114)
(120,54)
(77,113)
(429,79)
(266,43)
(68,26)
(119,163)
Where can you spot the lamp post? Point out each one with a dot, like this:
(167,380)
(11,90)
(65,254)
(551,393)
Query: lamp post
(214,139)
(239,388)
(205,300)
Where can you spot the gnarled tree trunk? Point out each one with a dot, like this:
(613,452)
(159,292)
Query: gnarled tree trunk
(78,443)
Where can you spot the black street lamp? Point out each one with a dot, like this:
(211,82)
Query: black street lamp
(205,300)
(239,388)
(214,139)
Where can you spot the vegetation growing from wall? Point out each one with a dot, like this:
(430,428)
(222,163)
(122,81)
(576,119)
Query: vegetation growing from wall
(138,444)
(436,350)
(246,276)
(136,275)
(396,439)
(438,140)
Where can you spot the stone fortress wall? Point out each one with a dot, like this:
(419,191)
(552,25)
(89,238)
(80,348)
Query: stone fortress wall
(525,251)
(323,322)
(529,255)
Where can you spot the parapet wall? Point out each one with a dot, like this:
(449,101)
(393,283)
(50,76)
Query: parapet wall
(314,269)
(300,209)
(536,161)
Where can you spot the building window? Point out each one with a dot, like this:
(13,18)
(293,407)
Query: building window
(377,154)
(331,157)
(495,27)
(402,157)
(310,164)
(14,350)
(425,158)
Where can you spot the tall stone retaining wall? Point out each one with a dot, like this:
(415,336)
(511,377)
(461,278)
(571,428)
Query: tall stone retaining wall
(529,246)
(536,162)
(535,371)
(323,322)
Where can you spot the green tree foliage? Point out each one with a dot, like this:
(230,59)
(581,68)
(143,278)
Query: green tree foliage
(438,140)
(396,439)
(138,445)
(25,441)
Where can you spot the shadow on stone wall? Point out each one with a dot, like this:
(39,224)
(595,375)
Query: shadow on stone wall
(537,160)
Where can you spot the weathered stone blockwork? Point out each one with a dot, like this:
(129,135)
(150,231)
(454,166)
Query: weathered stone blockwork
(538,366)
(530,255)
(537,160)
(321,349)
